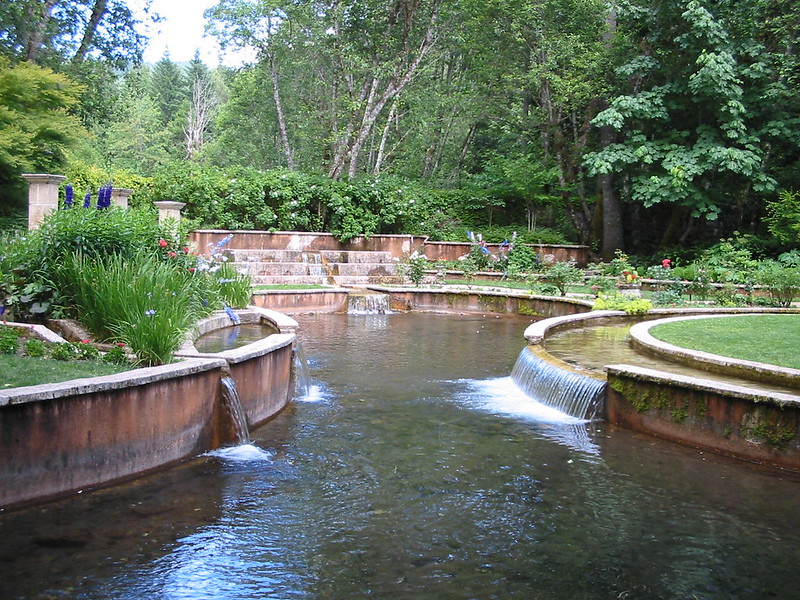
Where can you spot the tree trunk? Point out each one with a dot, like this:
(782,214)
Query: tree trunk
(276,95)
(35,36)
(98,11)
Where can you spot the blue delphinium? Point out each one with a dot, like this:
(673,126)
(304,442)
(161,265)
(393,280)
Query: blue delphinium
(68,195)
(87,200)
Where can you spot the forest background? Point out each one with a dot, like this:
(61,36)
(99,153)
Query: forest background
(657,127)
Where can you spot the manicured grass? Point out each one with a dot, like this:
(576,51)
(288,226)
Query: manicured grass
(19,371)
(762,338)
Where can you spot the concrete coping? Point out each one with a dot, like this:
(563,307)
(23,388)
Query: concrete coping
(133,377)
(666,378)
(641,337)
(236,355)
(38,331)
(537,332)
(481,291)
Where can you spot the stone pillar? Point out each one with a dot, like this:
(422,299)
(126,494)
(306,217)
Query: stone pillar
(42,196)
(169,209)
(119,196)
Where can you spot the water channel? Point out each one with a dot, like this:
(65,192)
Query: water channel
(419,472)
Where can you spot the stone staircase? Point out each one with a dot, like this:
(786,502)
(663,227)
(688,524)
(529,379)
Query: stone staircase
(321,267)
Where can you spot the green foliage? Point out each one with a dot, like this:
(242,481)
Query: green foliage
(783,216)
(9,340)
(630,305)
(415,266)
(521,259)
(116,355)
(146,303)
(561,274)
(64,351)
(729,261)
(35,347)
(37,129)
(781,281)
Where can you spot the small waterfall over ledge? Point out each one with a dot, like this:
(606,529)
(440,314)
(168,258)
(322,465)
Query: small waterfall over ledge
(577,395)
(234,409)
(368,303)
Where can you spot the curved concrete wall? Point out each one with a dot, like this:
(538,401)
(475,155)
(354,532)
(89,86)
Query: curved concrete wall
(84,433)
(746,423)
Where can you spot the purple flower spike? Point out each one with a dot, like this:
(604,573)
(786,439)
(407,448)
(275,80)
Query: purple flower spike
(87,200)
(68,195)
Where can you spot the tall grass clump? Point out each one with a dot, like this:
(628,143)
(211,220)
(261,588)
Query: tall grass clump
(141,301)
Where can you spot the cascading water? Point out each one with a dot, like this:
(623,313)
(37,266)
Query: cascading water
(315,266)
(368,304)
(302,375)
(568,392)
(233,405)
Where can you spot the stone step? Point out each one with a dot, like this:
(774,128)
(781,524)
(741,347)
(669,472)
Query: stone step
(350,269)
(336,280)
(322,256)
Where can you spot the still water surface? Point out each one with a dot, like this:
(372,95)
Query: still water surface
(416,471)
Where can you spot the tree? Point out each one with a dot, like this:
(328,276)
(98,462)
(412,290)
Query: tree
(692,125)
(37,129)
(55,32)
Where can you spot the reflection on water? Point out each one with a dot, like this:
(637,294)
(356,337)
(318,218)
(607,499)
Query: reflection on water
(420,473)
(228,338)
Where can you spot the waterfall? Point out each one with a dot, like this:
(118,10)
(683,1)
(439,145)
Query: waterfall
(315,266)
(302,375)
(368,304)
(571,393)
(233,405)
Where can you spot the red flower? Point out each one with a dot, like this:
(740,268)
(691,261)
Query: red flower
(120,344)
(186,249)
(84,341)
(666,263)
(163,243)
(191,269)
(171,254)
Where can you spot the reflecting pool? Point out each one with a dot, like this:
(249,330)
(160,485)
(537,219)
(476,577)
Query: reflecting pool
(418,471)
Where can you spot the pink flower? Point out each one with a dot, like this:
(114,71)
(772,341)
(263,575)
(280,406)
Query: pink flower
(84,341)
(163,243)
(171,254)
(666,263)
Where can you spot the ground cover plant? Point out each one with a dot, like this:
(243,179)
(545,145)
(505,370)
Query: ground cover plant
(761,338)
(25,360)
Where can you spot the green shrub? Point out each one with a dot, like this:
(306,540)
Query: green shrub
(561,274)
(632,306)
(781,282)
(35,347)
(9,340)
(116,355)
(84,350)
(144,302)
(63,351)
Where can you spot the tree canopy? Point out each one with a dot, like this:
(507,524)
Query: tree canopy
(639,124)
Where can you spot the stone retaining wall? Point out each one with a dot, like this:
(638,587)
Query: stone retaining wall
(84,433)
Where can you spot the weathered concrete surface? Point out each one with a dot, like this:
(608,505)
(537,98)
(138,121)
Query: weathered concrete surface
(63,437)
(398,245)
(740,422)
(479,301)
(84,433)
(295,302)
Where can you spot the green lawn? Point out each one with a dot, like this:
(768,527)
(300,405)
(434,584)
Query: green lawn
(769,339)
(18,371)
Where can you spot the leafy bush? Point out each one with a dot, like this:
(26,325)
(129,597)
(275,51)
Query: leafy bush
(561,274)
(27,260)
(630,305)
(63,351)
(782,282)
(521,259)
(35,347)
(144,302)
(9,340)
